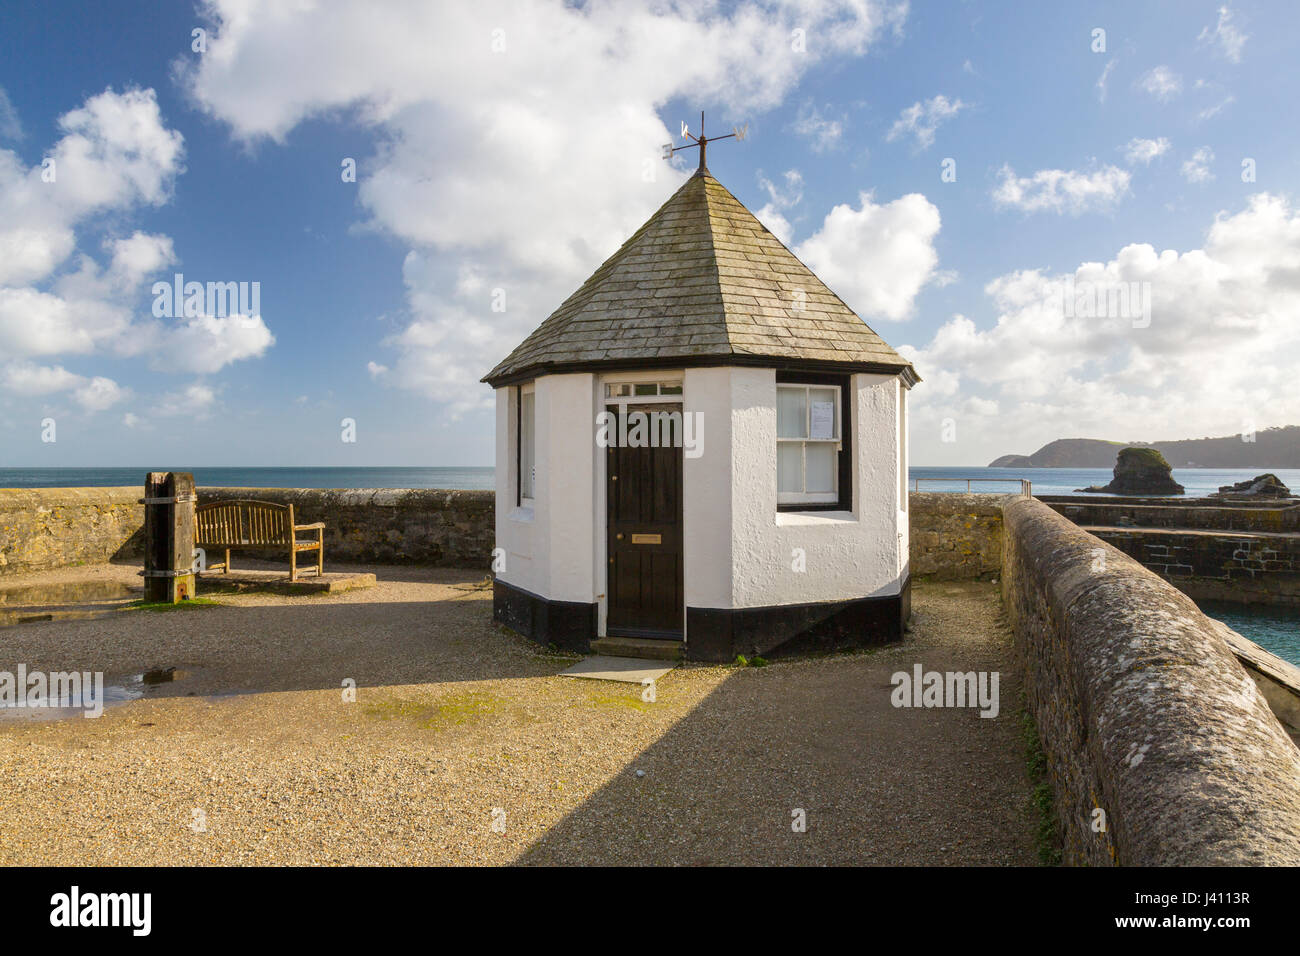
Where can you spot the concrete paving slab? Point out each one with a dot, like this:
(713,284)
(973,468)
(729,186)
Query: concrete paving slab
(630,670)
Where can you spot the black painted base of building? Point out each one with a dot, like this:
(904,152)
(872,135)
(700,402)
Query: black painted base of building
(570,625)
(720,634)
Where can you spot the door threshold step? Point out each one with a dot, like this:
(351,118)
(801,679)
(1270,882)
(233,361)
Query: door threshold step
(643,648)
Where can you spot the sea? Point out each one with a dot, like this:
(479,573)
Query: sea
(1046,481)
(1276,629)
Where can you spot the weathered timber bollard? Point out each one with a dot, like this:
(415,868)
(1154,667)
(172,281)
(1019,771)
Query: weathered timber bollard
(168,536)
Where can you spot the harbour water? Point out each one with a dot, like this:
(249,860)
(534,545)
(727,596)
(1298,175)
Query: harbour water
(1276,629)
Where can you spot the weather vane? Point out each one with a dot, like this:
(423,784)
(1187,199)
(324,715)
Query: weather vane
(702,141)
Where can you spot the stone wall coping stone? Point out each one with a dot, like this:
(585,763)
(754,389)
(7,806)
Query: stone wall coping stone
(1192,765)
(13,499)
(958,502)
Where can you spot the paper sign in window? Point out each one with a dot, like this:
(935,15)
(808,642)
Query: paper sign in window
(823,420)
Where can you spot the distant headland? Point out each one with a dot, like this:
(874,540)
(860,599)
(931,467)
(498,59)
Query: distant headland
(1271,448)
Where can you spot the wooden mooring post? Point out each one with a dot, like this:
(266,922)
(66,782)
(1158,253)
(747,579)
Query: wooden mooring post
(168,501)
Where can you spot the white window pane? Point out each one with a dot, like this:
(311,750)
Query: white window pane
(820,457)
(791,412)
(789,467)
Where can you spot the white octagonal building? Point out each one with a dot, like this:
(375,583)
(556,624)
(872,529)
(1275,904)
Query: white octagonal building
(703,450)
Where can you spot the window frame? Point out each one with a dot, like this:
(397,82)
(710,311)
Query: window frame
(522,499)
(614,390)
(842,498)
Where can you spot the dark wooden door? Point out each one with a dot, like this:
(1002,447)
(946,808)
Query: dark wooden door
(644,491)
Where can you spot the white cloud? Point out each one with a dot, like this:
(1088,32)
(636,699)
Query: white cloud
(136,258)
(30,380)
(10,127)
(1062,190)
(1145,150)
(1212,111)
(1225,36)
(99,393)
(206,343)
(1116,376)
(921,119)
(25,378)
(876,257)
(780,199)
(822,132)
(194,401)
(1197,168)
(1105,75)
(1162,83)
(115,155)
(524,199)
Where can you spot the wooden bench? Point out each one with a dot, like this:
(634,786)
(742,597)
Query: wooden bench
(261,525)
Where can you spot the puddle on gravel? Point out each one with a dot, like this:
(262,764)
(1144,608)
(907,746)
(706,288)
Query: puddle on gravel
(117,691)
(68,600)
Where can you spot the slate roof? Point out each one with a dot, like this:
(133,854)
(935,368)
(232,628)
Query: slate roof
(702,282)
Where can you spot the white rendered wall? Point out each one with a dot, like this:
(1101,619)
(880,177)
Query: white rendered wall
(737,549)
(549,545)
(904,457)
(847,554)
(707,491)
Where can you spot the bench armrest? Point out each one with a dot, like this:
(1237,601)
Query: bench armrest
(309,527)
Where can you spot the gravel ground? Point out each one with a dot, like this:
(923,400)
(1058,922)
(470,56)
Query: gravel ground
(255,757)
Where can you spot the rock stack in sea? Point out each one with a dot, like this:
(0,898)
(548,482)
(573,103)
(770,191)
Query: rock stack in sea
(1139,471)
(1267,485)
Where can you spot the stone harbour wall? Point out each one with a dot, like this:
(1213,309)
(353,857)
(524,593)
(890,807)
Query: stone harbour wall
(1143,710)
(1248,568)
(1198,513)
(955,536)
(453,529)
(44,528)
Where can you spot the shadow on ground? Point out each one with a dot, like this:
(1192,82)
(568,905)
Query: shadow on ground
(876,784)
(416,626)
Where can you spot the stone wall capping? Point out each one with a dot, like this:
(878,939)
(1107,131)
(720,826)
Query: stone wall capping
(1143,708)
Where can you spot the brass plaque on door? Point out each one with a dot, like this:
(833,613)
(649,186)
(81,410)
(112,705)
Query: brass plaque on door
(647,539)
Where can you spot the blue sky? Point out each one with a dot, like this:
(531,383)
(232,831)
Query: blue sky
(512,146)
